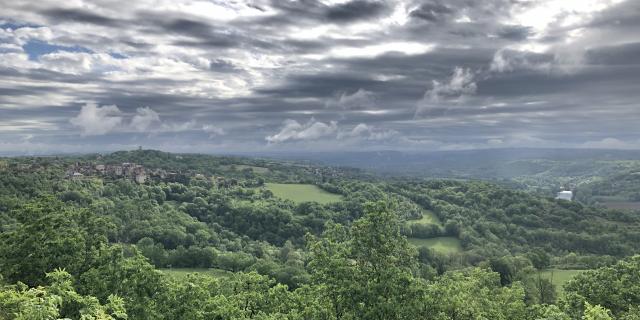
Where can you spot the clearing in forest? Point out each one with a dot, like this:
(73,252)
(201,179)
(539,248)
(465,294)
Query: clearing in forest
(439,244)
(428,217)
(240,167)
(299,193)
(559,277)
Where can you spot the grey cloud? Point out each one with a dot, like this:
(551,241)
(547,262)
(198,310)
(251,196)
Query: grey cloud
(432,11)
(506,60)
(360,99)
(514,32)
(292,130)
(78,15)
(355,10)
(624,54)
(221,65)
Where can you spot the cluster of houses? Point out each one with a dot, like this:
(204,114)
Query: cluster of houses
(126,170)
(139,173)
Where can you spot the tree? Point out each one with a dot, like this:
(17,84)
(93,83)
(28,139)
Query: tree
(366,272)
(539,259)
(615,288)
(50,235)
(58,300)
(128,275)
(543,290)
(474,294)
(595,312)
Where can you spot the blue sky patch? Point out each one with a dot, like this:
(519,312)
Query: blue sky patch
(36,48)
(116,55)
(17,25)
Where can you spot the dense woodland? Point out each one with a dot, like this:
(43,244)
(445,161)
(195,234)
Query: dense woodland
(100,247)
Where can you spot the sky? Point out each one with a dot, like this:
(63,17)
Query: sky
(216,76)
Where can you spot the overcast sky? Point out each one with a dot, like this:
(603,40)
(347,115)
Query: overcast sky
(227,76)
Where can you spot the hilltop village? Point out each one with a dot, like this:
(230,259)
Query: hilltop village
(137,173)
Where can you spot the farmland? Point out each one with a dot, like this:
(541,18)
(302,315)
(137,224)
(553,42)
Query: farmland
(299,193)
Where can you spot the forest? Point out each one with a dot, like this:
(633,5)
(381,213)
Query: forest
(209,237)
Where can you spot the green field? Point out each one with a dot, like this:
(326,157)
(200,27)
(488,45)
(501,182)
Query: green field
(181,273)
(428,217)
(299,193)
(559,277)
(439,244)
(240,167)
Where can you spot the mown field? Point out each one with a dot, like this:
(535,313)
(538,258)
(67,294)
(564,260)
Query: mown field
(180,273)
(439,244)
(559,277)
(428,217)
(302,193)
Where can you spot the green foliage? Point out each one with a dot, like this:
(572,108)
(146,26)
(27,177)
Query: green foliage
(366,271)
(58,300)
(595,312)
(474,294)
(50,235)
(616,288)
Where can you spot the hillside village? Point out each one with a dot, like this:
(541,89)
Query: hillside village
(137,173)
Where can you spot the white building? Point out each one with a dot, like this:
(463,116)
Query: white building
(565,195)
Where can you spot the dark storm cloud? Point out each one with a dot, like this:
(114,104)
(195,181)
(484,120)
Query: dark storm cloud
(81,16)
(432,11)
(355,10)
(624,54)
(46,76)
(221,65)
(593,81)
(514,32)
(320,85)
(310,11)
(192,28)
(414,75)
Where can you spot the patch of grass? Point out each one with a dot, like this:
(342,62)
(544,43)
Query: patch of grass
(240,167)
(428,217)
(439,244)
(299,193)
(255,169)
(559,277)
(181,273)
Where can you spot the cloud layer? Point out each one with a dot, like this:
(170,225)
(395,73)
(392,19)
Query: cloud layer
(340,74)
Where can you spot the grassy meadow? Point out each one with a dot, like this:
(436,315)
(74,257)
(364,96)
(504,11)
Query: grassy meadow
(240,167)
(299,193)
(439,244)
(428,217)
(559,277)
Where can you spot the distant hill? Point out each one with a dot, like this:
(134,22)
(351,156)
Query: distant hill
(463,163)
(544,171)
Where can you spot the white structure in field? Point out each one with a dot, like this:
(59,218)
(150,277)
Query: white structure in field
(565,195)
